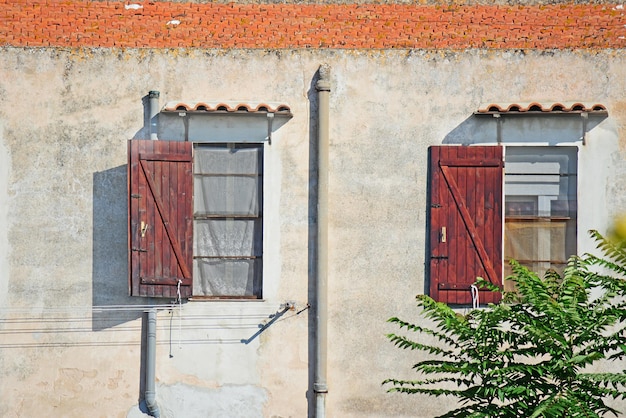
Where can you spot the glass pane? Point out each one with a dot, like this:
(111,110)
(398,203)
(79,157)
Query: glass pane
(226,277)
(224,195)
(222,159)
(228,237)
(541,181)
(228,227)
(540,207)
(539,244)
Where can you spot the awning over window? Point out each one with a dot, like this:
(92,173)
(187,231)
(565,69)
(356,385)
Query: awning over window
(228,107)
(555,120)
(537,107)
(225,121)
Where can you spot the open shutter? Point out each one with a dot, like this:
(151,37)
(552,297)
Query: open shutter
(160,224)
(465,221)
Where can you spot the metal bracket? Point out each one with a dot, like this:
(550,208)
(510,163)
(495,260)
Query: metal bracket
(585,118)
(270,122)
(498,118)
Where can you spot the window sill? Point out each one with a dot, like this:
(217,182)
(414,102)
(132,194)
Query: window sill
(513,218)
(225,299)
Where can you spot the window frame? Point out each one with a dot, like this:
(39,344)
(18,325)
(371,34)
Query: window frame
(448,278)
(552,218)
(258,270)
(145,235)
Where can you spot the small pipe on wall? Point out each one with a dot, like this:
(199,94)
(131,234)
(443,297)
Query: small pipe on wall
(150,394)
(153,103)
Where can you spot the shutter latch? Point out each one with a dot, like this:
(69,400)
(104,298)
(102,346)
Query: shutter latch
(139,250)
(144,228)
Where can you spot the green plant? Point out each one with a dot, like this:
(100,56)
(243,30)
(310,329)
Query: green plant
(532,354)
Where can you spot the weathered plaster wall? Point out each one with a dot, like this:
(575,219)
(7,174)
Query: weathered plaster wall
(5,162)
(65,116)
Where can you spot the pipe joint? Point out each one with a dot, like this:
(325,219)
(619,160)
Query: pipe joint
(323,84)
(320,387)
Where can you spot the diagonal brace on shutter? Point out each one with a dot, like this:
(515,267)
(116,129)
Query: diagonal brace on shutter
(469,225)
(162,213)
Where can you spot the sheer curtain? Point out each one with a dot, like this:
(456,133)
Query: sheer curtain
(228,220)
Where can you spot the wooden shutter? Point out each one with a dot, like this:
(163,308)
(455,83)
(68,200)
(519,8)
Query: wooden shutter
(160,224)
(465,221)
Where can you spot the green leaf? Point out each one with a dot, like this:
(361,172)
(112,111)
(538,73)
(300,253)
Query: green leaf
(524,356)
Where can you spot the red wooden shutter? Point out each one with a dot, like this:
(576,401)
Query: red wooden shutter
(160,223)
(465,221)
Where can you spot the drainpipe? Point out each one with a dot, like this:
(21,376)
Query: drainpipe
(320,386)
(153,100)
(150,395)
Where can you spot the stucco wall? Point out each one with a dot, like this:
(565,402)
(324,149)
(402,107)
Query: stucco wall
(71,337)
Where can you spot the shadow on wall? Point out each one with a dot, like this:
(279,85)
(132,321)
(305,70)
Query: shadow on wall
(540,129)
(109,258)
(312,235)
(110,300)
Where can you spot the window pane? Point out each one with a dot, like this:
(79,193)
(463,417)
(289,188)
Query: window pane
(227,195)
(228,160)
(227,277)
(228,237)
(228,225)
(540,182)
(541,241)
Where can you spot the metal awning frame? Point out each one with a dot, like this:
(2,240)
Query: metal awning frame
(582,114)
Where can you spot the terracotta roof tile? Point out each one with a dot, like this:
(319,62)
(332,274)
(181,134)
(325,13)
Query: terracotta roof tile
(230,107)
(213,25)
(563,107)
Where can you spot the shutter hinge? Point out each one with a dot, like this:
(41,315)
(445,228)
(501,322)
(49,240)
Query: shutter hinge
(439,257)
(435,205)
(135,196)
(141,250)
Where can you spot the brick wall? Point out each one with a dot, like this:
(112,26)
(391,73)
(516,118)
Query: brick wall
(75,23)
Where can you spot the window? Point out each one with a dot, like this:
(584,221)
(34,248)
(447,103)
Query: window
(195,219)
(228,222)
(471,188)
(540,207)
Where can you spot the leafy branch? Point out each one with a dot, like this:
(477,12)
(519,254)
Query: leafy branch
(529,355)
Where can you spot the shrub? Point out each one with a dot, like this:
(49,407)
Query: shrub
(529,356)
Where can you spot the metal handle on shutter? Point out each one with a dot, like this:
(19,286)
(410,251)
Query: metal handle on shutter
(443,234)
(144,228)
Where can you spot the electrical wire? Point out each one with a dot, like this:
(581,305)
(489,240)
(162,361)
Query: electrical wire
(58,321)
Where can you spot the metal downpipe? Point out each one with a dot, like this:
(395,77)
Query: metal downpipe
(153,103)
(320,385)
(150,394)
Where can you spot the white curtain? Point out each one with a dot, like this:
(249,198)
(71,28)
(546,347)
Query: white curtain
(227,221)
